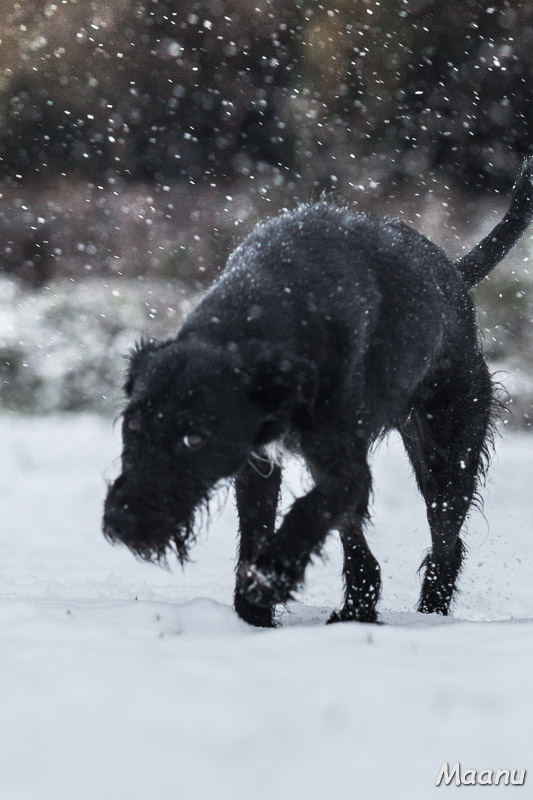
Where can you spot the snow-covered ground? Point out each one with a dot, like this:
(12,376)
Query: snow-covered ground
(120,680)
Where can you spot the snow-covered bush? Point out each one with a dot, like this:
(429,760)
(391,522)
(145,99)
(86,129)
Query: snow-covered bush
(62,348)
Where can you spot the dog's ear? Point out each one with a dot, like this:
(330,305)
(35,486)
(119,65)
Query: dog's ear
(137,354)
(275,378)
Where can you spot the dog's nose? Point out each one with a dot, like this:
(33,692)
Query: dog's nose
(116,521)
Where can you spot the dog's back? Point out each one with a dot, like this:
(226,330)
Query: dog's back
(368,300)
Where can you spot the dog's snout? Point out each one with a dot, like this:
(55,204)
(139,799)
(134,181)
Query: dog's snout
(117,513)
(116,521)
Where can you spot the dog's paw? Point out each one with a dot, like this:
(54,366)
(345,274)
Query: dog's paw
(254,615)
(350,614)
(433,607)
(263,586)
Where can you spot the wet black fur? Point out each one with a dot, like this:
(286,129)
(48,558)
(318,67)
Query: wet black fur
(327,329)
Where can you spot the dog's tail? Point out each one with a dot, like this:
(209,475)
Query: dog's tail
(477,264)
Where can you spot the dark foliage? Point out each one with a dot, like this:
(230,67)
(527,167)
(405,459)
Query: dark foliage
(205,90)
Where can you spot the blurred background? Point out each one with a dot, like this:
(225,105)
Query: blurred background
(139,141)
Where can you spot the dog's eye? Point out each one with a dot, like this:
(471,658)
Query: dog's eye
(193,441)
(133,423)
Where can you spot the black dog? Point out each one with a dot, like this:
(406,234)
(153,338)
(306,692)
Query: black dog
(327,329)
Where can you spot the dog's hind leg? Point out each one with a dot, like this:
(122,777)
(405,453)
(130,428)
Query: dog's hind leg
(361,573)
(447,444)
(257,496)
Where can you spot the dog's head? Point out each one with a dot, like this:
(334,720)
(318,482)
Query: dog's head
(194,415)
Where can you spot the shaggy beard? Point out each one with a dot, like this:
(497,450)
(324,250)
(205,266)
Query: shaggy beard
(158,536)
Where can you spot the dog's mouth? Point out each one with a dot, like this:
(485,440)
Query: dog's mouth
(153,544)
(153,532)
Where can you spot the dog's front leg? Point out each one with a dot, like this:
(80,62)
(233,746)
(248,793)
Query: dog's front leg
(257,488)
(279,567)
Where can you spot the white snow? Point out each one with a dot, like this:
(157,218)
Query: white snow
(120,680)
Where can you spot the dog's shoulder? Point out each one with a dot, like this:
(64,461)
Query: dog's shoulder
(308,217)
(308,226)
